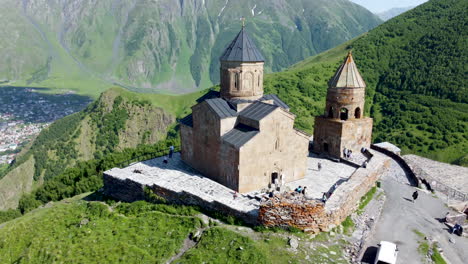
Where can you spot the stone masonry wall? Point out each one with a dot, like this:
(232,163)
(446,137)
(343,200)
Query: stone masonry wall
(130,191)
(292,209)
(314,216)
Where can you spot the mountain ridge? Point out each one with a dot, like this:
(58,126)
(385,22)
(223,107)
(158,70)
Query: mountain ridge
(171,46)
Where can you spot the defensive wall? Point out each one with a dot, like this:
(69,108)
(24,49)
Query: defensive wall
(291,209)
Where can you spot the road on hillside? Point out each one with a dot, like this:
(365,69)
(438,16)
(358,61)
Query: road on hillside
(400,217)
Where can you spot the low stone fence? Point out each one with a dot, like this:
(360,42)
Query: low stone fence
(403,164)
(130,191)
(314,216)
(433,183)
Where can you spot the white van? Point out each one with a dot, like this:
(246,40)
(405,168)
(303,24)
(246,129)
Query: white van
(387,253)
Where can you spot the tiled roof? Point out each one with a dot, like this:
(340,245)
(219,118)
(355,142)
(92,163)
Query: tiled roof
(221,107)
(347,75)
(276,100)
(188,120)
(242,48)
(240,135)
(257,111)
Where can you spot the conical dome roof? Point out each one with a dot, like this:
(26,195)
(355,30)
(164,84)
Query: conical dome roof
(242,49)
(347,75)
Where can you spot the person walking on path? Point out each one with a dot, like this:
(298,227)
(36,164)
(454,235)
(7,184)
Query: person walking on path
(171,151)
(234,195)
(319,166)
(415,195)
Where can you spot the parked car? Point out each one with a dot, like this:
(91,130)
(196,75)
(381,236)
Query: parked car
(387,253)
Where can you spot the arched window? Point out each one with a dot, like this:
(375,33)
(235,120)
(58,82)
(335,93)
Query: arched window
(344,114)
(236,80)
(330,112)
(357,113)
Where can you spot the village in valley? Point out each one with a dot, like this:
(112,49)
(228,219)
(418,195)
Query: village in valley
(24,112)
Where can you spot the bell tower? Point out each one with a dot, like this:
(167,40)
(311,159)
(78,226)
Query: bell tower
(343,125)
(241,71)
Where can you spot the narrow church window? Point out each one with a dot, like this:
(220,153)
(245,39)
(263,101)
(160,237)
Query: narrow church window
(258,84)
(357,113)
(236,81)
(344,114)
(330,112)
(277,144)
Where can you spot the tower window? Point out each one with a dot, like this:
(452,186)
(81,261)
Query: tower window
(236,81)
(344,114)
(357,113)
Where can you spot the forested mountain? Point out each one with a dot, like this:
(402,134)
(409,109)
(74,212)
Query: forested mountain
(168,45)
(415,69)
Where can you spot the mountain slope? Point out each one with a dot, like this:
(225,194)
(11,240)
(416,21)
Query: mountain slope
(391,13)
(117,120)
(172,46)
(414,67)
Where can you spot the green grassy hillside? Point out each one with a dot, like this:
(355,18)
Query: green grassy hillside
(414,67)
(81,231)
(165,46)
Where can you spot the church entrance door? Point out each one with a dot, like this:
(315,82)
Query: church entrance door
(274,177)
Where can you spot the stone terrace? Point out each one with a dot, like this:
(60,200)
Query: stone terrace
(318,182)
(177,177)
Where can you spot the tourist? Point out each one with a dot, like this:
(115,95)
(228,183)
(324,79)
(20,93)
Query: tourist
(319,166)
(349,153)
(364,164)
(234,195)
(171,151)
(345,152)
(271,194)
(165,161)
(457,229)
(304,190)
(415,195)
(299,189)
(324,197)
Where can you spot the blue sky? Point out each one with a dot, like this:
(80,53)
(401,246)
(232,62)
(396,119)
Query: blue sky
(377,6)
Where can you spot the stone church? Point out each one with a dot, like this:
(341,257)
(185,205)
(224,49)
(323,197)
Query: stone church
(242,138)
(343,125)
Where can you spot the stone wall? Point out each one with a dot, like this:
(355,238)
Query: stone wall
(293,209)
(241,79)
(442,177)
(314,216)
(130,191)
(409,172)
(352,134)
(277,150)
